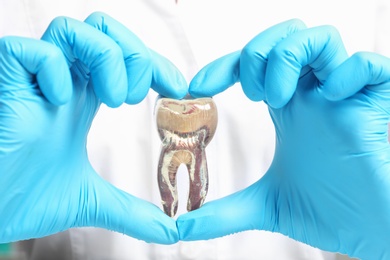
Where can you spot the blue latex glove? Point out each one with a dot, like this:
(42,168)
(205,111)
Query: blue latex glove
(329,183)
(47,183)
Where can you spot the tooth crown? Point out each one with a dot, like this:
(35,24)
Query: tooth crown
(187,116)
(185,128)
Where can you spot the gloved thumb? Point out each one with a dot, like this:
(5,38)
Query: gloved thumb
(243,210)
(111,208)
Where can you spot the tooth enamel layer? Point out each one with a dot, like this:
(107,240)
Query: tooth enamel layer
(185,127)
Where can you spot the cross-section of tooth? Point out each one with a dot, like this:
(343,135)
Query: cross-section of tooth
(185,127)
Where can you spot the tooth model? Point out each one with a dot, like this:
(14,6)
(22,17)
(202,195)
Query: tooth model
(185,127)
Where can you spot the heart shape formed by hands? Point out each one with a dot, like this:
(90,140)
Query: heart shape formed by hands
(328,183)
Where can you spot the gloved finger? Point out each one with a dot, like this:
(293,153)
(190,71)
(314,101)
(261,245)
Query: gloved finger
(247,66)
(110,208)
(100,56)
(255,56)
(145,68)
(168,81)
(25,62)
(216,76)
(243,210)
(321,48)
(363,69)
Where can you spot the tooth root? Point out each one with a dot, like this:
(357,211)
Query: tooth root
(195,161)
(168,165)
(185,128)
(199,181)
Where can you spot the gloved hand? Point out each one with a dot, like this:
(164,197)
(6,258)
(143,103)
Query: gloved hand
(328,184)
(46,110)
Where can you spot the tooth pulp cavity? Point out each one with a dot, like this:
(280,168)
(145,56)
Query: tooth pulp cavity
(185,127)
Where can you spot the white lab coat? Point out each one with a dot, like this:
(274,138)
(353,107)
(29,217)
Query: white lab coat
(124,145)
